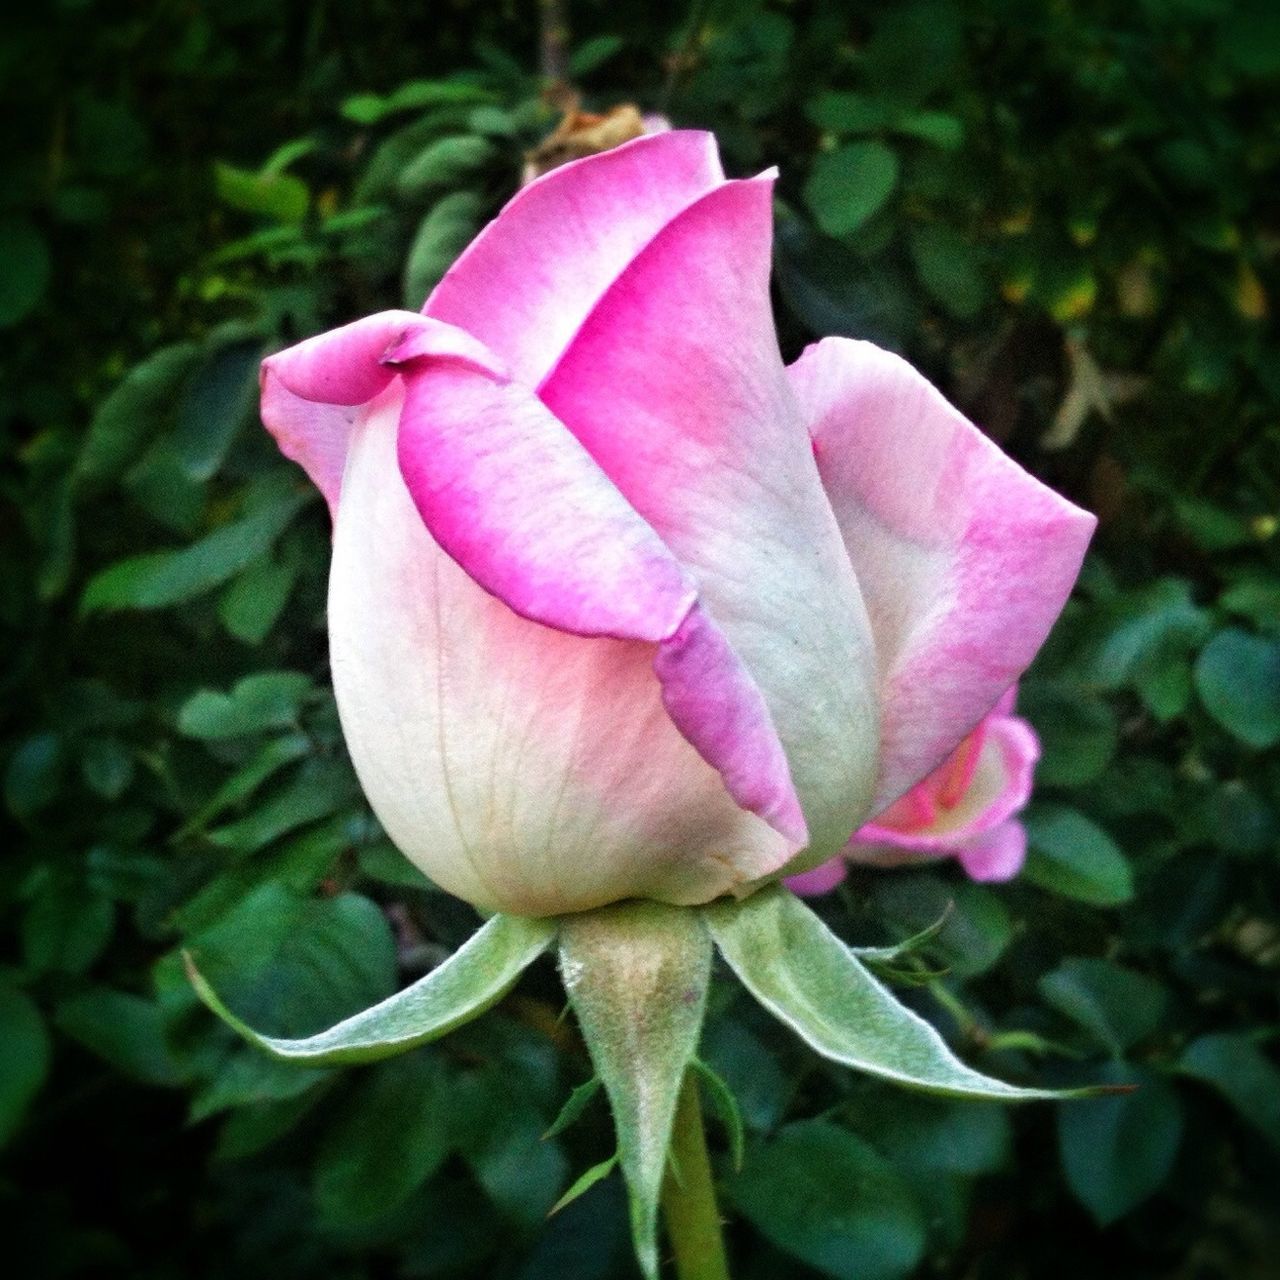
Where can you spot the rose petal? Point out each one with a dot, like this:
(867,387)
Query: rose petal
(524,768)
(999,787)
(533,275)
(964,559)
(823,879)
(675,386)
(511,495)
(995,855)
(518,502)
(310,391)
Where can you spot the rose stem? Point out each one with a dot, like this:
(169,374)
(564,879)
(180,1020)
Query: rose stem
(689,1196)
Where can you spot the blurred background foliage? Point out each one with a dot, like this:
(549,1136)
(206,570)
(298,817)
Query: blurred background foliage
(1069,214)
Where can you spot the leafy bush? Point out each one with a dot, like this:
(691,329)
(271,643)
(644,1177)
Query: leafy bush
(1065,213)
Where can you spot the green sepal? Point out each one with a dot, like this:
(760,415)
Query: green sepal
(637,976)
(470,981)
(583,1183)
(725,1105)
(576,1103)
(886,955)
(810,980)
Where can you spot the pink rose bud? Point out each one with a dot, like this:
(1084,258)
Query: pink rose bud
(964,809)
(620,606)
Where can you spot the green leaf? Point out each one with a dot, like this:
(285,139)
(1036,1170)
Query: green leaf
(25,268)
(65,928)
(972,922)
(926,1137)
(585,1182)
(1077,730)
(935,127)
(106,766)
(470,981)
(637,975)
(370,108)
(1118,1006)
(246,1079)
(253,1128)
(278,196)
(137,409)
(1117,1151)
(441,236)
(24,1058)
(217,401)
(268,700)
(388,1138)
(444,162)
(1257,598)
(849,113)
(382,861)
(158,579)
(1073,856)
(760,1087)
(591,54)
(1233,1064)
(288,153)
(273,757)
(1142,630)
(826,1197)
(949,267)
(253,603)
(577,1102)
(1238,680)
(810,980)
(297,962)
(848,186)
(909,944)
(521,1171)
(125,1030)
(33,777)
(321,787)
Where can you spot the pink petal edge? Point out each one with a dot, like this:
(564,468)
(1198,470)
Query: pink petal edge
(965,559)
(311,391)
(1018,749)
(531,278)
(997,855)
(822,879)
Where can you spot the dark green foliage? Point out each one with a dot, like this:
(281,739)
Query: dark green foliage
(1065,213)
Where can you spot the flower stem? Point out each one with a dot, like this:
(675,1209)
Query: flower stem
(689,1196)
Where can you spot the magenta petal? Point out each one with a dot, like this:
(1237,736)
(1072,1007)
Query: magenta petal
(995,855)
(311,391)
(507,491)
(518,502)
(713,701)
(533,275)
(823,879)
(965,560)
(675,387)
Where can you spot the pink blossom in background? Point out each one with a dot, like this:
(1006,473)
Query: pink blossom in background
(620,605)
(964,809)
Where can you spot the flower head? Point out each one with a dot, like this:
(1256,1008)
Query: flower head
(620,605)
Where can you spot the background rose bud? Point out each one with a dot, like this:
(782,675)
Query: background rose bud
(964,809)
(622,607)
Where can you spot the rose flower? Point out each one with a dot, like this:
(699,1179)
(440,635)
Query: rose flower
(621,606)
